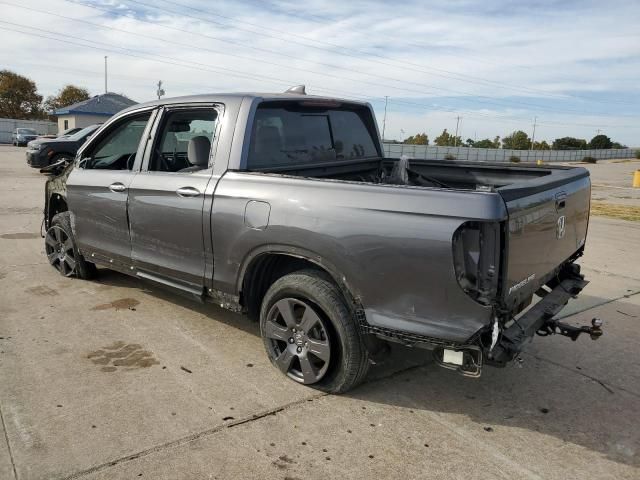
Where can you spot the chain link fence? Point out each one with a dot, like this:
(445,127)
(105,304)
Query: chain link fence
(394,150)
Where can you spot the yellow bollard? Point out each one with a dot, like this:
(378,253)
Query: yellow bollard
(636,179)
(539,162)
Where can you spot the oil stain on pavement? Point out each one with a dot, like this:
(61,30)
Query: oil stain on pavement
(20,236)
(122,356)
(120,304)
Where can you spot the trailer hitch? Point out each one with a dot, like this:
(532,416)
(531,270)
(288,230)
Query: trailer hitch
(552,327)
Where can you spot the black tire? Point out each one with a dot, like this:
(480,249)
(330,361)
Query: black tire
(62,250)
(310,294)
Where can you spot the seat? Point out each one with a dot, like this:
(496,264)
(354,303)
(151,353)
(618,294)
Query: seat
(198,154)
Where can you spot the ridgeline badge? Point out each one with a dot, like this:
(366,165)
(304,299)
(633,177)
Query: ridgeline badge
(521,283)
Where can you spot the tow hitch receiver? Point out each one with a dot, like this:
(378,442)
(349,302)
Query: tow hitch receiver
(571,331)
(539,319)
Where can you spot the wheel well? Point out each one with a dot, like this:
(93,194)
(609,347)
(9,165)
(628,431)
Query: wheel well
(57,204)
(264,270)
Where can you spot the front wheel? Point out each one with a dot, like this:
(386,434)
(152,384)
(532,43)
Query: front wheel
(62,251)
(310,335)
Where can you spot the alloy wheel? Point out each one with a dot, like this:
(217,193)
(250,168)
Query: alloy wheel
(60,252)
(298,339)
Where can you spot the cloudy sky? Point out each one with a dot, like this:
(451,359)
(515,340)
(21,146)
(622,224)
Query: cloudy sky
(497,64)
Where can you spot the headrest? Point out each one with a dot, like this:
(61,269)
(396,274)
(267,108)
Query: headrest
(198,151)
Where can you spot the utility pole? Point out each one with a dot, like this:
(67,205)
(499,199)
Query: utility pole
(160,91)
(384,120)
(533,137)
(105,74)
(455,138)
(598,132)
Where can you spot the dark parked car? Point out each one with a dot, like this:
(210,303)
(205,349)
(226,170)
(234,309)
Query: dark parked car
(66,133)
(22,136)
(283,206)
(45,151)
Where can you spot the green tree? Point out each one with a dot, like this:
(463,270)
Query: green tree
(618,145)
(417,139)
(18,97)
(485,143)
(600,141)
(543,145)
(518,140)
(68,95)
(447,140)
(569,143)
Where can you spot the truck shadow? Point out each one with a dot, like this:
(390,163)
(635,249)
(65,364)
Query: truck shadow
(541,397)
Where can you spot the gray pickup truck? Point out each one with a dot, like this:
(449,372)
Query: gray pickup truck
(283,206)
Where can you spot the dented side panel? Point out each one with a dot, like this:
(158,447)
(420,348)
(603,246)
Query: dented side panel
(390,244)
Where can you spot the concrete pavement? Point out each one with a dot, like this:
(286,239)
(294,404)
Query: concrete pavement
(199,399)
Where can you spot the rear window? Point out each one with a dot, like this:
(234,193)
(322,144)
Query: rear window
(297,134)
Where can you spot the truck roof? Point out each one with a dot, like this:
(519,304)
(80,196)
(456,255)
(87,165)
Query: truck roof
(225,97)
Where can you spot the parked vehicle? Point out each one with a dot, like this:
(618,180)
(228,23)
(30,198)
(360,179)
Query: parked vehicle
(282,206)
(45,152)
(66,133)
(22,136)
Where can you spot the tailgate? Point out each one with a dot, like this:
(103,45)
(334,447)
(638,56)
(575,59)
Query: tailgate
(548,219)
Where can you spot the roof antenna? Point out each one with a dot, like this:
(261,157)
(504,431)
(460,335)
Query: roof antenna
(298,89)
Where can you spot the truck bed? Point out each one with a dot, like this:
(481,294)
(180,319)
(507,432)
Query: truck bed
(547,207)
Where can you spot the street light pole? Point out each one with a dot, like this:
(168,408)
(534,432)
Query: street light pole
(384,119)
(455,138)
(533,137)
(105,74)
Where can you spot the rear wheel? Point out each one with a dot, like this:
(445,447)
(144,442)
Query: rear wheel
(62,251)
(310,335)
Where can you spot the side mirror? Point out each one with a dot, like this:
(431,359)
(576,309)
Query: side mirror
(55,168)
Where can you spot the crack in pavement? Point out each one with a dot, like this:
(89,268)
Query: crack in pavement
(6,437)
(606,302)
(607,386)
(218,428)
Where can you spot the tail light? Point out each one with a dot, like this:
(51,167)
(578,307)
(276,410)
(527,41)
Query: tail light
(476,258)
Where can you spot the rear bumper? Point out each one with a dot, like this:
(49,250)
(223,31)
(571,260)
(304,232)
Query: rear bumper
(522,330)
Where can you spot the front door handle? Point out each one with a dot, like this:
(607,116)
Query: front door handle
(117,187)
(188,192)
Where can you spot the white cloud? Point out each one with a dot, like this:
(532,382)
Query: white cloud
(498,63)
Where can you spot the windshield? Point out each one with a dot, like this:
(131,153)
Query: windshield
(27,131)
(307,133)
(83,133)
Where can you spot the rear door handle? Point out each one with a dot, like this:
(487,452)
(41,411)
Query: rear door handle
(188,192)
(117,187)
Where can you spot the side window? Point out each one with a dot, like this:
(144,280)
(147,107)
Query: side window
(183,143)
(117,148)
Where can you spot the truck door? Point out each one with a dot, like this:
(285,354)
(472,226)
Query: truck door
(97,189)
(167,197)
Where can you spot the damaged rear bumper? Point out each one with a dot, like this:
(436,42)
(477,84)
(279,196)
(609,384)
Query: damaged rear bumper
(511,340)
(540,319)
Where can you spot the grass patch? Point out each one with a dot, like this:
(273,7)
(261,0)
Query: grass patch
(611,210)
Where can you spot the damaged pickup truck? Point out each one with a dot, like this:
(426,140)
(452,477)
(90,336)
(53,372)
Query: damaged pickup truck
(282,206)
